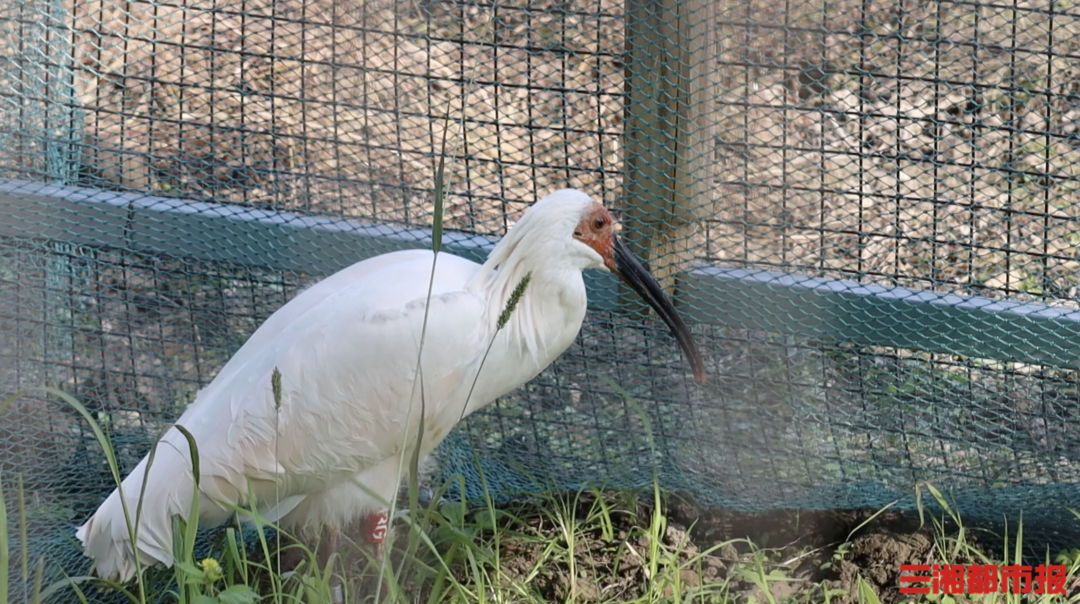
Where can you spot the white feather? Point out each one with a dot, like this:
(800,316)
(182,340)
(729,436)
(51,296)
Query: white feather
(347,349)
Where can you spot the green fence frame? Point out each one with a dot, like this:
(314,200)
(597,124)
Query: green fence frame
(811,307)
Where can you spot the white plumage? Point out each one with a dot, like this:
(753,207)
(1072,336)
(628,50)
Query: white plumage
(347,350)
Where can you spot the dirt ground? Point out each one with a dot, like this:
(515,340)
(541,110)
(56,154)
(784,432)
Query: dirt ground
(802,545)
(802,553)
(811,547)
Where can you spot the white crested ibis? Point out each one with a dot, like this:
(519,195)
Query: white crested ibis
(347,351)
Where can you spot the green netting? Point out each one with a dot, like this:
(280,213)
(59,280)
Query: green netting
(174,171)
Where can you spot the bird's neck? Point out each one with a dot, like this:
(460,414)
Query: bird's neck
(524,258)
(550,298)
(539,324)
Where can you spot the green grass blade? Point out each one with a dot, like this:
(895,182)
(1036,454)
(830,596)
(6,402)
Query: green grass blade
(607,527)
(24,545)
(193,448)
(191,527)
(440,191)
(919,506)
(867,595)
(73,582)
(3,547)
(146,475)
(39,572)
(233,552)
(870,519)
(414,488)
(79,593)
(114,469)
(1018,555)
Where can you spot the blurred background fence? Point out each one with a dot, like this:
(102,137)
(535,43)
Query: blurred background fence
(867,207)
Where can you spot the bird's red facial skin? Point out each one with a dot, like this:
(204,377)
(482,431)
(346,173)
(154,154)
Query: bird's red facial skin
(597,231)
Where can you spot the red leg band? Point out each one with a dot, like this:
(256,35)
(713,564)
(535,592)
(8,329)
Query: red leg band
(375,527)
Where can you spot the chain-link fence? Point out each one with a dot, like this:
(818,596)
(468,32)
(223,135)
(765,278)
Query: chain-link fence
(867,207)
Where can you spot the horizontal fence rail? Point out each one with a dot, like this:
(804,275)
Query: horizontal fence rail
(834,310)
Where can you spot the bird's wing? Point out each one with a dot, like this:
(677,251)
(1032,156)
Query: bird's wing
(335,283)
(347,362)
(346,349)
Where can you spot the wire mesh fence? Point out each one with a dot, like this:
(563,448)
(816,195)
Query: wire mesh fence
(930,146)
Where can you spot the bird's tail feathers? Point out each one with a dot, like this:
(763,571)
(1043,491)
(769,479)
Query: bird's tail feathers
(168,493)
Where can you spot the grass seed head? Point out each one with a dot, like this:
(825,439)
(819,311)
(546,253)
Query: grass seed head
(515,298)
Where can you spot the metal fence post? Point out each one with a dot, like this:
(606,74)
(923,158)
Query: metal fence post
(667,134)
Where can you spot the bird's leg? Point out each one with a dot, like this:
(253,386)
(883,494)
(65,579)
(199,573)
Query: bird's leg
(375,526)
(327,548)
(375,531)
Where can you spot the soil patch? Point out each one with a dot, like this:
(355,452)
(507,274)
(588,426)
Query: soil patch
(797,555)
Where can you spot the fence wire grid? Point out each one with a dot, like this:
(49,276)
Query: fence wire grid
(929,146)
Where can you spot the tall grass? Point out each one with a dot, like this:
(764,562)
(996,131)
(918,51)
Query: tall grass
(460,536)
(459,561)
(463,553)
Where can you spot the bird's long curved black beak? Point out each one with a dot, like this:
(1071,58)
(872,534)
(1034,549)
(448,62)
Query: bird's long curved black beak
(631,271)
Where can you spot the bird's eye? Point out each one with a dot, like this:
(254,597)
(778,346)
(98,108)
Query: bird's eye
(599,223)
